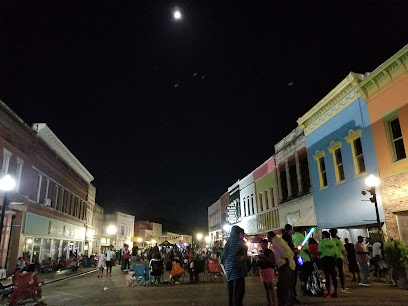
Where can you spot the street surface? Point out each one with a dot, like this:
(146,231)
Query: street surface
(90,290)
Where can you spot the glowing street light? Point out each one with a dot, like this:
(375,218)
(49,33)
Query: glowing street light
(227,227)
(177,15)
(7,183)
(207,239)
(199,236)
(372,181)
(111,230)
(139,239)
(153,241)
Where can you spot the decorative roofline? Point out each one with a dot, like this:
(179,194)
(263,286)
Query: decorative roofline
(46,134)
(335,101)
(385,74)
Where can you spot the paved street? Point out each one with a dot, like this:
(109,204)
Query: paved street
(89,290)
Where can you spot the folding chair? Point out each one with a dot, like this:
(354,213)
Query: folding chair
(214,273)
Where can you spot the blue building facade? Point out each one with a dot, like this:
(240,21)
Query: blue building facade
(341,156)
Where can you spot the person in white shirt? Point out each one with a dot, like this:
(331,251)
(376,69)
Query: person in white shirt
(110,256)
(286,266)
(377,259)
(101,263)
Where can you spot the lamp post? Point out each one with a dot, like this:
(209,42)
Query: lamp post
(7,183)
(372,182)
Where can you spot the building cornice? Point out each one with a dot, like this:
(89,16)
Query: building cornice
(334,102)
(46,134)
(385,74)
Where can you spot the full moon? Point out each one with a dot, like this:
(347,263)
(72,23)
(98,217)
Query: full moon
(177,15)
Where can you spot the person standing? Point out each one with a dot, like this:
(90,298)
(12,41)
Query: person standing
(362,260)
(286,266)
(110,257)
(234,260)
(101,263)
(377,259)
(306,269)
(266,261)
(341,251)
(134,253)
(351,258)
(328,254)
(287,236)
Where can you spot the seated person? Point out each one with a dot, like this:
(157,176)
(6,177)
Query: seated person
(73,266)
(21,264)
(26,282)
(176,270)
(156,266)
(198,267)
(140,269)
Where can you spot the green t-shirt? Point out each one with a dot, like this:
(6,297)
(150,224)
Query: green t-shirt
(327,247)
(297,239)
(339,246)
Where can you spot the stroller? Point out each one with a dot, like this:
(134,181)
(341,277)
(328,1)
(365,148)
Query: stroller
(314,282)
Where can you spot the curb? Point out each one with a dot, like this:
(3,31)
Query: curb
(46,282)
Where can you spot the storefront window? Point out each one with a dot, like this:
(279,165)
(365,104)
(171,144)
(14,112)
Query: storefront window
(46,249)
(55,249)
(28,244)
(65,248)
(36,250)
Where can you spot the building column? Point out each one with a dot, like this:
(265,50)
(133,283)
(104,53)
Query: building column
(279,186)
(288,179)
(299,177)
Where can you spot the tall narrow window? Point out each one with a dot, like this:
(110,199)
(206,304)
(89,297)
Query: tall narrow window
(6,161)
(339,165)
(39,187)
(335,150)
(19,169)
(323,172)
(272,199)
(321,168)
(245,213)
(260,202)
(252,204)
(359,155)
(395,139)
(249,208)
(266,200)
(354,138)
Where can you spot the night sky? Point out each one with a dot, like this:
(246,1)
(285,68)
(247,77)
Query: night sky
(167,115)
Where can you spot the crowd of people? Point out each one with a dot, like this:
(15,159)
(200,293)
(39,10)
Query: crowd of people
(154,260)
(293,258)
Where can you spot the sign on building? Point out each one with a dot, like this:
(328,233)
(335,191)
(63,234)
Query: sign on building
(233,213)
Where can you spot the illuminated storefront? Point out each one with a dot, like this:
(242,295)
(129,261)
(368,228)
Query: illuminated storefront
(45,237)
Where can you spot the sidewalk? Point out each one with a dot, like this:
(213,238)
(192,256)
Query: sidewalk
(52,277)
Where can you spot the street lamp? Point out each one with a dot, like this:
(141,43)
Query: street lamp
(372,181)
(7,183)
(227,227)
(111,230)
(139,239)
(199,236)
(207,239)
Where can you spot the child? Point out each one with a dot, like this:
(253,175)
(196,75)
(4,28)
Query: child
(266,262)
(101,263)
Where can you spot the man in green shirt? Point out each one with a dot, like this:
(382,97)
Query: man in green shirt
(306,268)
(328,254)
(341,251)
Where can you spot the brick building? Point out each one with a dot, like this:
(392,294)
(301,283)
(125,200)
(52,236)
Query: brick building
(48,210)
